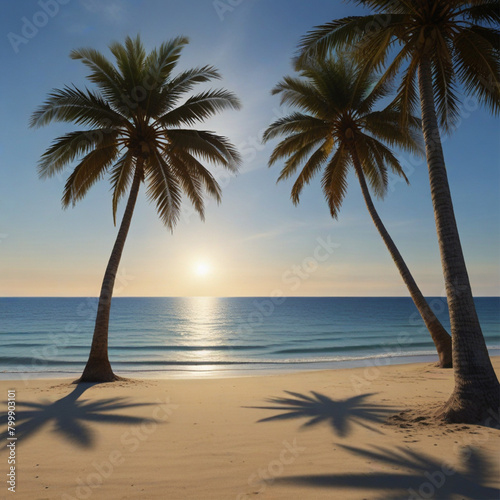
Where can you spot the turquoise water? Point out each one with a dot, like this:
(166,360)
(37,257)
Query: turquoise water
(190,336)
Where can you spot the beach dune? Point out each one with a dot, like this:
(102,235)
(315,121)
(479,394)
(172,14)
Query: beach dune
(308,435)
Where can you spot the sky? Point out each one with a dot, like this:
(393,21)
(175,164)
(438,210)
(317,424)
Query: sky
(256,242)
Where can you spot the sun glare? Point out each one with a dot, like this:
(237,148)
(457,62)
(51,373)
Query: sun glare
(202,269)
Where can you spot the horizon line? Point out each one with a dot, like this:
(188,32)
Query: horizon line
(231,296)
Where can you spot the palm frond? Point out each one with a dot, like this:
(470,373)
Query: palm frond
(130,57)
(446,98)
(103,74)
(485,12)
(293,123)
(186,80)
(373,51)
(198,170)
(339,33)
(90,170)
(407,99)
(73,105)
(478,67)
(386,126)
(387,76)
(200,107)
(399,7)
(312,166)
(206,145)
(158,67)
(120,178)
(163,190)
(372,165)
(301,94)
(160,62)
(293,143)
(189,182)
(377,90)
(375,157)
(295,159)
(335,81)
(68,147)
(334,181)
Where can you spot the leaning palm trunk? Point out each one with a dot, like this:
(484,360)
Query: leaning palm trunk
(98,368)
(477,391)
(440,336)
(337,122)
(140,138)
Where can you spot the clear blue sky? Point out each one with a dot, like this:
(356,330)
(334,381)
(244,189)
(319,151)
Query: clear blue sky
(256,242)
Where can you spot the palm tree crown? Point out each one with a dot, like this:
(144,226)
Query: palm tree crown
(136,120)
(459,38)
(337,126)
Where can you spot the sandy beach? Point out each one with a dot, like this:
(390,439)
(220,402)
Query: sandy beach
(308,435)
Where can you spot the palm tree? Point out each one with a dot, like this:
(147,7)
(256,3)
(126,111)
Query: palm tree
(135,133)
(337,128)
(437,45)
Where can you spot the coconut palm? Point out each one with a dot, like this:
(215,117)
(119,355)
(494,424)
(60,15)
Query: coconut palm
(138,130)
(439,46)
(337,128)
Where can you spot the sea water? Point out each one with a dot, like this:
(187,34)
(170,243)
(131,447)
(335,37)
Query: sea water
(203,336)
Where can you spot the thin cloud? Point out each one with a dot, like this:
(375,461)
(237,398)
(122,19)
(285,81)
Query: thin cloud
(273,233)
(112,10)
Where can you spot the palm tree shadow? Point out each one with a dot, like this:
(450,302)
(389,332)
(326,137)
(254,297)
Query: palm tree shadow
(428,477)
(70,416)
(318,408)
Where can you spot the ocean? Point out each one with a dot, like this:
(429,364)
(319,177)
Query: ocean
(205,336)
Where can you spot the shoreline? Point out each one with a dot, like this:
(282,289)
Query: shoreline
(196,371)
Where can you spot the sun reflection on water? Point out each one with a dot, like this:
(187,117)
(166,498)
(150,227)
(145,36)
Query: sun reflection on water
(202,328)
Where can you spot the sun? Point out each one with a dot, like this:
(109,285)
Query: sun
(202,269)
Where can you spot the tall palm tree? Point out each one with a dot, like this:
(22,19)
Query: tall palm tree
(437,45)
(136,133)
(338,128)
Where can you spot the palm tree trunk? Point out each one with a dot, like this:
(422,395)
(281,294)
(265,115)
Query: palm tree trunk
(477,392)
(98,368)
(440,336)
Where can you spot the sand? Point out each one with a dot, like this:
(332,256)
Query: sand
(308,435)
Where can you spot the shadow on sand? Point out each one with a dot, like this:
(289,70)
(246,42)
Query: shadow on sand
(69,416)
(427,477)
(318,408)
